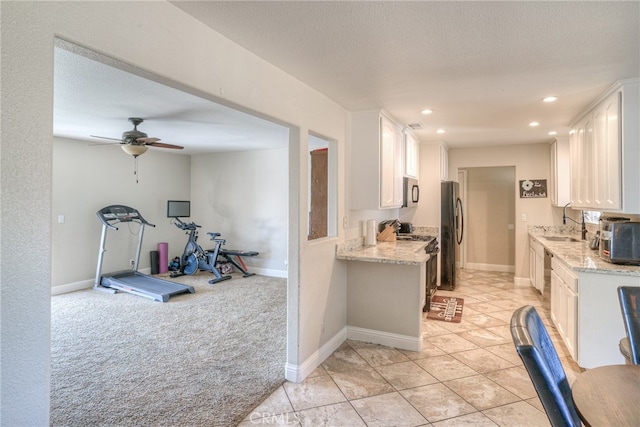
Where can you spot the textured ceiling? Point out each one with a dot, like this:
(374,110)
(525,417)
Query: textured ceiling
(481,66)
(94,95)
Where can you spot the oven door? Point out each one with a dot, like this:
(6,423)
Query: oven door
(431,279)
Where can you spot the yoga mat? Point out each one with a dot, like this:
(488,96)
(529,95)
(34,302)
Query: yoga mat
(163,257)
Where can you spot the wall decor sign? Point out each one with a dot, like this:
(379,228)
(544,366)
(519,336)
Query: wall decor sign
(533,188)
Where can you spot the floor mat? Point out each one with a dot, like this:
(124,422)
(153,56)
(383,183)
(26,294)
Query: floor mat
(446,309)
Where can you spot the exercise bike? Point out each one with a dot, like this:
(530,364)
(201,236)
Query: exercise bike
(195,258)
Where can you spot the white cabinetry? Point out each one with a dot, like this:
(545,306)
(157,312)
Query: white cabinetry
(411,155)
(377,163)
(444,162)
(564,305)
(560,175)
(607,159)
(602,178)
(536,264)
(581,147)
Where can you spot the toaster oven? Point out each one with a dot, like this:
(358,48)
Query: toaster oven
(620,241)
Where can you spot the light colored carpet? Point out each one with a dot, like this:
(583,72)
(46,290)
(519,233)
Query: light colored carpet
(203,359)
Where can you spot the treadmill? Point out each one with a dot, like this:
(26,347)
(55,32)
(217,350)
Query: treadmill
(131,281)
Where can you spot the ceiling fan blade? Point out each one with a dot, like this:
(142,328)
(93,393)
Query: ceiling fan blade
(106,137)
(163,145)
(148,140)
(105,144)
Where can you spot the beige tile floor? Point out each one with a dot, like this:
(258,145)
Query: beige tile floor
(468,373)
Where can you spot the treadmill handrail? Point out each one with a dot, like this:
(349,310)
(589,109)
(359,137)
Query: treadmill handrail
(120,213)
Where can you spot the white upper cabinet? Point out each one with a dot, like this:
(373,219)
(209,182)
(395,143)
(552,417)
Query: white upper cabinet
(581,147)
(602,178)
(607,145)
(377,161)
(559,190)
(411,155)
(444,162)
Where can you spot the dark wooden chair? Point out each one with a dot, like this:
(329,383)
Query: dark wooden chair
(541,360)
(629,297)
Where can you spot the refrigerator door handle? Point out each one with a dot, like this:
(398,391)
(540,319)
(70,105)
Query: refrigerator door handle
(459,221)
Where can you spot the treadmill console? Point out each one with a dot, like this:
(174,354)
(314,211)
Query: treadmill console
(120,213)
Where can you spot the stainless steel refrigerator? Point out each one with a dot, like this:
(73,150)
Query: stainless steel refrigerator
(451,233)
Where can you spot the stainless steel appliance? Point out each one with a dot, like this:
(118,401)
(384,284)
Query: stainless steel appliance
(411,193)
(620,241)
(405,228)
(451,233)
(432,273)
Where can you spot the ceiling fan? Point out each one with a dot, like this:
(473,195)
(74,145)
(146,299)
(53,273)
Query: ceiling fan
(135,142)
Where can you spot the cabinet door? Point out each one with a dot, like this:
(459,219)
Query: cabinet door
(582,183)
(387,163)
(576,147)
(411,156)
(553,190)
(398,169)
(444,163)
(571,328)
(607,147)
(532,265)
(559,190)
(555,296)
(540,272)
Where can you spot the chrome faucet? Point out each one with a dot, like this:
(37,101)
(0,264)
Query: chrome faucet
(583,227)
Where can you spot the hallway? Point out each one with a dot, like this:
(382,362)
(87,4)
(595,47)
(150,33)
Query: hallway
(468,373)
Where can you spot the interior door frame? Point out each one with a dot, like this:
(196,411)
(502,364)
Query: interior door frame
(462,194)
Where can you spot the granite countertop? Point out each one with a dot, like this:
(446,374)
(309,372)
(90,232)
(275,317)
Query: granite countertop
(577,255)
(398,252)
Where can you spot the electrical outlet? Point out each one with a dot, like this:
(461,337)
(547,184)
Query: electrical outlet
(131,263)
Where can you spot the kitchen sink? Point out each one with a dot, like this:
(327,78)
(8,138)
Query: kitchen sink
(561,239)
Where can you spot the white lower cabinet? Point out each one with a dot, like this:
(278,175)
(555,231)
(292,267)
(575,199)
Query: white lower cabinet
(564,305)
(536,265)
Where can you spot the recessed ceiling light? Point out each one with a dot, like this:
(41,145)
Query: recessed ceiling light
(427,111)
(440,131)
(553,132)
(534,124)
(549,99)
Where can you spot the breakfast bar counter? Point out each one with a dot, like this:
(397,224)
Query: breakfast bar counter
(385,292)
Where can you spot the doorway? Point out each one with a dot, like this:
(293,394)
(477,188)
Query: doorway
(489,196)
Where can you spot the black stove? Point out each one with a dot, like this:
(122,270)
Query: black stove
(415,237)
(432,272)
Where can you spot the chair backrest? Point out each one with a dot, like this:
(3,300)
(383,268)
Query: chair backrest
(629,297)
(540,358)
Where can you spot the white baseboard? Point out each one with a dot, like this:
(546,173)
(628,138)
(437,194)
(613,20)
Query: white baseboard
(389,339)
(72,287)
(297,373)
(522,281)
(269,272)
(490,267)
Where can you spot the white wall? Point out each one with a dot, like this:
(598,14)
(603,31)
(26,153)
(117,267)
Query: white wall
(157,37)
(489,209)
(531,162)
(243,195)
(87,178)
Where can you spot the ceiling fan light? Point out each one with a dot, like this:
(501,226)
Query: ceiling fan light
(134,150)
